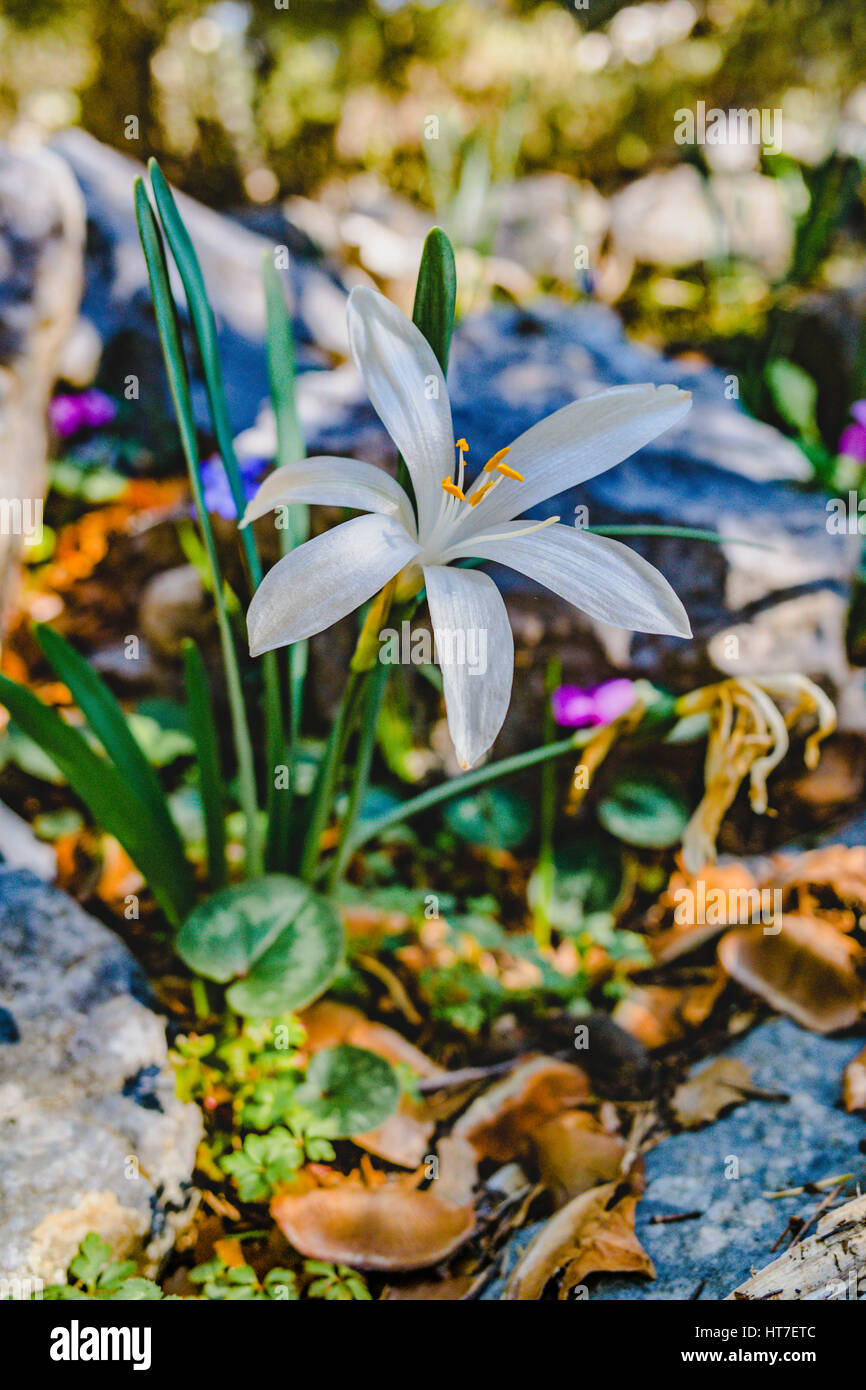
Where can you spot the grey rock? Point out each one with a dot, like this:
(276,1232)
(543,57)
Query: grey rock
(41,263)
(20,849)
(117,299)
(675,218)
(92,1134)
(173,606)
(775,1146)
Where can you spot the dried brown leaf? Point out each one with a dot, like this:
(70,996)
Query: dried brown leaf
(718,1087)
(588,1236)
(501,1122)
(806,970)
(575,1153)
(660,1014)
(386,1227)
(854,1083)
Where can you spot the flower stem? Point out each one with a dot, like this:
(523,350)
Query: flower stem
(361,776)
(459,786)
(547,816)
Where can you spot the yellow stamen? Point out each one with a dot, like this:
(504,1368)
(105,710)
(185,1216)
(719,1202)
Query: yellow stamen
(461,444)
(494,462)
(508,472)
(477,496)
(453,489)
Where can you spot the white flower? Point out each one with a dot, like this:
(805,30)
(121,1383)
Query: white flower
(329,576)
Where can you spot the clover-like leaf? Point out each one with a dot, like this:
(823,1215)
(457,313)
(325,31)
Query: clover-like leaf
(352,1089)
(646,809)
(281,943)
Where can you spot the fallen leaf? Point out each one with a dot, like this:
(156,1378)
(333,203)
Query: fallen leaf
(806,970)
(426,1291)
(405,1136)
(385,1227)
(808,881)
(501,1122)
(716,1088)
(585,1237)
(458,1170)
(660,1014)
(702,907)
(328,1024)
(575,1153)
(854,1083)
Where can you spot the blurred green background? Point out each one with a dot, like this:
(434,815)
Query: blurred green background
(328,103)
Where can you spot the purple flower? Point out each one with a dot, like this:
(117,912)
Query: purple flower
(574,706)
(853,440)
(89,410)
(217,493)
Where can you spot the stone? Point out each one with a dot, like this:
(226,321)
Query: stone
(117,298)
(675,218)
(92,1134)
(774,1145)
(20,848)
(41,263)
(174,606)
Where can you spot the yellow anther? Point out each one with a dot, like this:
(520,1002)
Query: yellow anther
(453,489)
(461,444)
(477,496)
(494,462)
(508,472)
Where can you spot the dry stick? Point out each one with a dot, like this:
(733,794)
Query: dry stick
(466,1075)
(818,1186)
(823,1205)
(670,1218)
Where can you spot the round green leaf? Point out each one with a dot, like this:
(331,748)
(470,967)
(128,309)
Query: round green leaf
(646,809)
(279,942)
(586,878)
(493,818)
(350,1088)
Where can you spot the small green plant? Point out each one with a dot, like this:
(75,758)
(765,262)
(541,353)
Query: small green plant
(264,1162)
(93,1273)
(240,1283)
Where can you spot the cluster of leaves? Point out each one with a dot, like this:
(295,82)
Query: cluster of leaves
(93,1273)
(284,1111)
(315,1279)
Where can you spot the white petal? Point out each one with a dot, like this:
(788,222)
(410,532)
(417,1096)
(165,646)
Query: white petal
(332,482)
(326,578)
(471,626)
(405,383)
(578,442)
(602,577)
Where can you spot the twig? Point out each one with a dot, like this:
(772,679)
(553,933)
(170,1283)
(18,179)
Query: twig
(670,1218)
(808,1187)
(465,1076)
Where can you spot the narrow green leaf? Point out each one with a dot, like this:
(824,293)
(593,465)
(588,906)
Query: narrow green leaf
(204,327)
(108,722)
(108,796)
(210,780)
(291,446)
(172,350)
(436,294)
